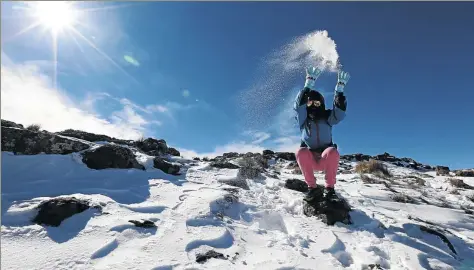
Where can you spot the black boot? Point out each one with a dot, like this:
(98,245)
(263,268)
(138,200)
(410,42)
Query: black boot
(330,194)
(314,194)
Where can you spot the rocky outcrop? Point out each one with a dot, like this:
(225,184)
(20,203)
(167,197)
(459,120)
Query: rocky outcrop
(6,123)
(174,152)
(111,156)
(166,166)
(442,170)
(231,155)
(152,147)
(464,173)
(27,142)
(91,137)
(53,212)
(223,165)
(286,156)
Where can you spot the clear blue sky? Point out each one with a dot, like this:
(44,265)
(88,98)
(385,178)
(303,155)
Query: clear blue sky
(411,66)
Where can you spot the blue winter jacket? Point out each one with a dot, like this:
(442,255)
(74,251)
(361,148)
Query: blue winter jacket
(317,136)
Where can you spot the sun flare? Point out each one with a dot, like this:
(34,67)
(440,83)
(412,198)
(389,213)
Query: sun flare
(54,15)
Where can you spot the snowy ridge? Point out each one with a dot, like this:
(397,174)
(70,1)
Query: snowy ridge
(262,227)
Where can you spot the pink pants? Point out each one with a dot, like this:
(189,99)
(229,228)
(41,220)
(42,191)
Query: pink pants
(328,162)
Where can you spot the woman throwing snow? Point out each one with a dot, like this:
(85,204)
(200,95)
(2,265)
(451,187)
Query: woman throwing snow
(317,151)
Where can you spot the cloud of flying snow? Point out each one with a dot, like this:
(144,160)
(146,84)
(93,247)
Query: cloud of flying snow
(277,72)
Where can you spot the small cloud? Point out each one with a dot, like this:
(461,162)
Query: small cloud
(186,93)
(157,108)
(131,60)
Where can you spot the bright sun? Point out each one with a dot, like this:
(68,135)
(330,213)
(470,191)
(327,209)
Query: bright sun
(55,15)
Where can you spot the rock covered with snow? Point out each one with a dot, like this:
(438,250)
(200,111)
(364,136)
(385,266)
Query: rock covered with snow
(27,142)
(111,156)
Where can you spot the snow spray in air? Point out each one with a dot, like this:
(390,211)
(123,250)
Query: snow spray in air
(262,101)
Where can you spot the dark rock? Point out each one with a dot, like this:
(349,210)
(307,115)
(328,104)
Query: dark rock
(91,137)
(286,156)
(442,170)
(54,211)
(152,147)
(111,156)
(27,142)
(239,182)
(464,173)
(197,159)
(231,155)
(174,152)
(297,185)
(329,212)
(386,157)
(211,254)
(249,172)
(6,123)
(166,166)
(223,165)
(143,224)
(268,153)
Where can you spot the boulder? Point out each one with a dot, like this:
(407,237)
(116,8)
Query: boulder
(27,142)
(295,184)
(166,166)
(152,147)
(386,157)
(464,173)
(111,156)
(268,153)
(6,123)
(442,170)
(239,182)
(286,156)
(53,212)
(329,211)
(174,152)
(223,165)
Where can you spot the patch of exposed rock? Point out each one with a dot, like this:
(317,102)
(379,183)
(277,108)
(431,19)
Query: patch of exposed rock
(91,137)
(53,212)
(27,142)
(6,123)
(166,166)
(111,156)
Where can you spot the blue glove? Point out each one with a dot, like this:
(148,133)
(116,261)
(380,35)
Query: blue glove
(312,75)
(342,79)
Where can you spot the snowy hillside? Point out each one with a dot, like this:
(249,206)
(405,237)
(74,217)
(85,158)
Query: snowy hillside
(132,215)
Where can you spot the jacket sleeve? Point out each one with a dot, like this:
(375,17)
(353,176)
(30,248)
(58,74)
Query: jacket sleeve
(338,113)
(300,107)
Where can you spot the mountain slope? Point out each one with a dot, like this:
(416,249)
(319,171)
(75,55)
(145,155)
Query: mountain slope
(259,226)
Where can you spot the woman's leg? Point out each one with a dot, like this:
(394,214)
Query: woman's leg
(305,160)
(330,163)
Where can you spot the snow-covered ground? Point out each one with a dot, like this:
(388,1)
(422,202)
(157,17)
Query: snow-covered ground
(259,228)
